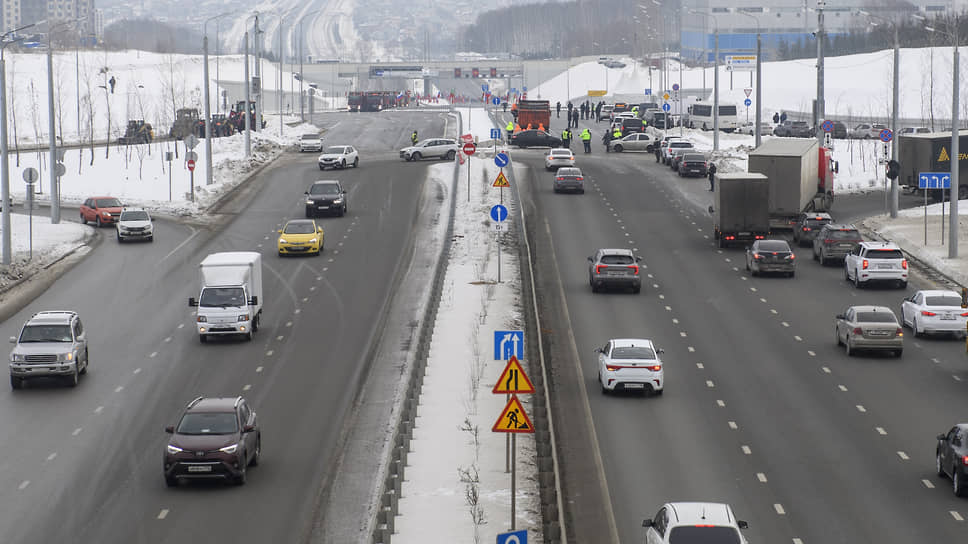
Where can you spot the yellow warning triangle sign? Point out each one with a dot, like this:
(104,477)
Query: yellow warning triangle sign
(942,157)
(501,181)
(513,379)
(513,419)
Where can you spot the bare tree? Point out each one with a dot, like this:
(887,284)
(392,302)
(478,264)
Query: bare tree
(59,79)
(35,119)
(12,104)
(89,110)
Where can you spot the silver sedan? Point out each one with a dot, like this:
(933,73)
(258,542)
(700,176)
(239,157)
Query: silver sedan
(869,328)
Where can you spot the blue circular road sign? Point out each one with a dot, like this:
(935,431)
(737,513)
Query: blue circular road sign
(496,101)
(886,135)
(501,160)
(747,102)
(827,125)
(666,107)
(499,213)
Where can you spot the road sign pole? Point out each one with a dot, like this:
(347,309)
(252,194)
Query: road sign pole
(514,471)
(925,191)
(507,443)
(468,178)
(499,257)
(192,181)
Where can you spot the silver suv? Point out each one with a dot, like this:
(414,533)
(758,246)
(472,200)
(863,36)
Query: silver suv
(435,147)
(51,344)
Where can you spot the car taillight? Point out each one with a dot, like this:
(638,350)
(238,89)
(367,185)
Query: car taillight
(559,179)
(581,178)
(791,256)
(899,332)
(964,460)
(828,241)
(964,314)
(654,368)
(759,237)
(805,229)
(930,314)
(635,269)
(904,264)
(612,368)
(864,264)
(599,268)
(858,330)
(757,256)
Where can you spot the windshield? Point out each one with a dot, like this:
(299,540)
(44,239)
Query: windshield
(875,317)
(693,158)
(561,153)
(108,203)
(633,352)
(885,254)
(211,423)
(222,297)
(46,333)
(134,216)
(310,137)
(299,227)
(335,150)
(617,259)
(703,534)
(943,301)
(777,245)
(324,189)
(843,235)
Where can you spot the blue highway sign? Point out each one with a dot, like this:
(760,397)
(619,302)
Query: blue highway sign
(516,537)
(499,213)
(934,180)
(484,87)
(501,159)
(648,92)
(508,343)
(495,134)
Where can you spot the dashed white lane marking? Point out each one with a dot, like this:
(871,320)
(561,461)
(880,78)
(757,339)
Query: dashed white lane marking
(719,251)
(668,308)
(99,409)
(168,339)
(956,515)
(763,300)
(296,311)
(709,383)
(682,334)
(181,325)
(761,477)
(305,299)
(772,311)
(935,360)
(153,354)
(747,450)
(798,339)
(320,278)
(700,366)
(163,514)
(797,541)
(137,370)
(784,323)
(880,430)
(279,338)
(119,389)
(860,408)
(733,425)
(706,236)
(312,287)
(779,509)
(903,455)
(956,377)
(258,369)
(842,387)
(676,321)
(325,268)
(691,349)
(753,289)
(76,432)
(650,276)
(655,285)
(744,278)
(269,353)
(727,260)
(927,484)
(721,403)
(662,297)
(52,456)
(23,485)
(825,370)
(246,387)
(811,353)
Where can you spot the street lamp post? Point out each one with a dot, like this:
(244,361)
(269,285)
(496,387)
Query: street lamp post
(208,100)
(51,128)
(820,84)
(894,105)
(758,139)
(4,164)
(302,37)
(955,151)
(715,77)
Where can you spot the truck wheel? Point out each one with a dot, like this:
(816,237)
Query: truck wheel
(255,322)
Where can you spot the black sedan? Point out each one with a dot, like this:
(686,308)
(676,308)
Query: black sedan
(534,138)
(692,164)
(951,458)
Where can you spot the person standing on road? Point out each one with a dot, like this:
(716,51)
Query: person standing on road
(510,130)
(586,139)
(566,138)
(575,115)
(776,118)
(712,176)
(558,110)
(413,138)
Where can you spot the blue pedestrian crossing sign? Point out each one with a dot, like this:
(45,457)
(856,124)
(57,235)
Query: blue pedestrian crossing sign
(499,213)
(495,134)
(508,343)
(501,159)
(484,87)
(934,180)
(514,537)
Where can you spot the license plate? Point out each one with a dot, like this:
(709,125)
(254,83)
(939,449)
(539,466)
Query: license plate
(879,333)
(948,317)
(885,266)
(634,386)
(200,468)
(323,207)
(744,233)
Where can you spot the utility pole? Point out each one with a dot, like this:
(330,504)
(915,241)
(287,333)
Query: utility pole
(818,118)
(716,94)
(955,153)
(258,76)
(894,106)
(247,138)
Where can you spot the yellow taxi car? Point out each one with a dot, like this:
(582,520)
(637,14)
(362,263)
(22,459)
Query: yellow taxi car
(300,236)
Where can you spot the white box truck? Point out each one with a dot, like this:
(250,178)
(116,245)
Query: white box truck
(230,298)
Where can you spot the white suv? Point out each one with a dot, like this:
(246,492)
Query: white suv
(135,224)
(51,344)
(706,522)
(876,261)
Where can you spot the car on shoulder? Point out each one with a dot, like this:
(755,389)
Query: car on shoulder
(325,197)
(808,225)
(558,157)
(934,311)
(633,142)
(771,256)
(677,151)
(695,522)
(300,237)
(630,364)
(835,241)
(876,262)
(51,344)
(569,179)
(951,458)
(338,156)
(215,438)
(135,224)
(101,210)
(867,130)
(794,129)
(614,268)
(749,127)
(441,148)
(534,138)
(614,64)
(310,142)
(692,164)
(676,146)
(914,130)
(872,328)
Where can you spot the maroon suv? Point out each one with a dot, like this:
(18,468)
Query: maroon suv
(217,438)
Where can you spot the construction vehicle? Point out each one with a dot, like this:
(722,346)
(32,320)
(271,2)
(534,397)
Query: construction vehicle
(137,132)
(185,121)
(237,116)
(536,113)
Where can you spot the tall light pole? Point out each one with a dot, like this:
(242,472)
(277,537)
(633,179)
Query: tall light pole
(758,139)
(715,77)
(4,164)
(820,99)
(258,73)
(246,138)
(955,143)
(51,128)
(302,38)
(208,100)
(894,103)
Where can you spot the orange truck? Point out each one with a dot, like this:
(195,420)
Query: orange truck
(534,112)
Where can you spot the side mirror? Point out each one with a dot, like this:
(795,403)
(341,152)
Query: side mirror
(598,350)
(836,167)
(591,260)
(254,301)
(647,523)
(711,210)
(840,316)
(192,301)
(13,339)
(170,429)
(742,524)
(941,436)
(319,229)
(279,231)
(248,428)
(638,259)
(660,350)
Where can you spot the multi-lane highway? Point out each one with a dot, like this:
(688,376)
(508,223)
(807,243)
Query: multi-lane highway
(84,464)
(761,409)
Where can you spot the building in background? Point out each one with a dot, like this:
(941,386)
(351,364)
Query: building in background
(17,13)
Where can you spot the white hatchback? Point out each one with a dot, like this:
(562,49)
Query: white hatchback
(934,311)
(558,157)
(630,364)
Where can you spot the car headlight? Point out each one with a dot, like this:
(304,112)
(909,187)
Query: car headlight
(68,356)
(312,241)
(18,357)
(243,317)
(202,319)
(309,202)
(283,241)
(229,449)
(106,213)
(338,201)
(174,449)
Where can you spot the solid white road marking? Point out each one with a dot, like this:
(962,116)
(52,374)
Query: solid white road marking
(860,408)
(956,515)
(761,477)
(747,450)
(903,455)
(779,509)
(733,425)
(163,514)
(927,484)
(880,430)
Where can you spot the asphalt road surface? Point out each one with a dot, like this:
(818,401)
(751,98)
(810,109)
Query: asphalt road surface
(84,464)
(762,409)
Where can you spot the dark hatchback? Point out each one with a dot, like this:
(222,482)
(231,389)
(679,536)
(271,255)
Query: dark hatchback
(216,438)
(325,197)
(951,458)
(808,226)
(692,164)
(535,138)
